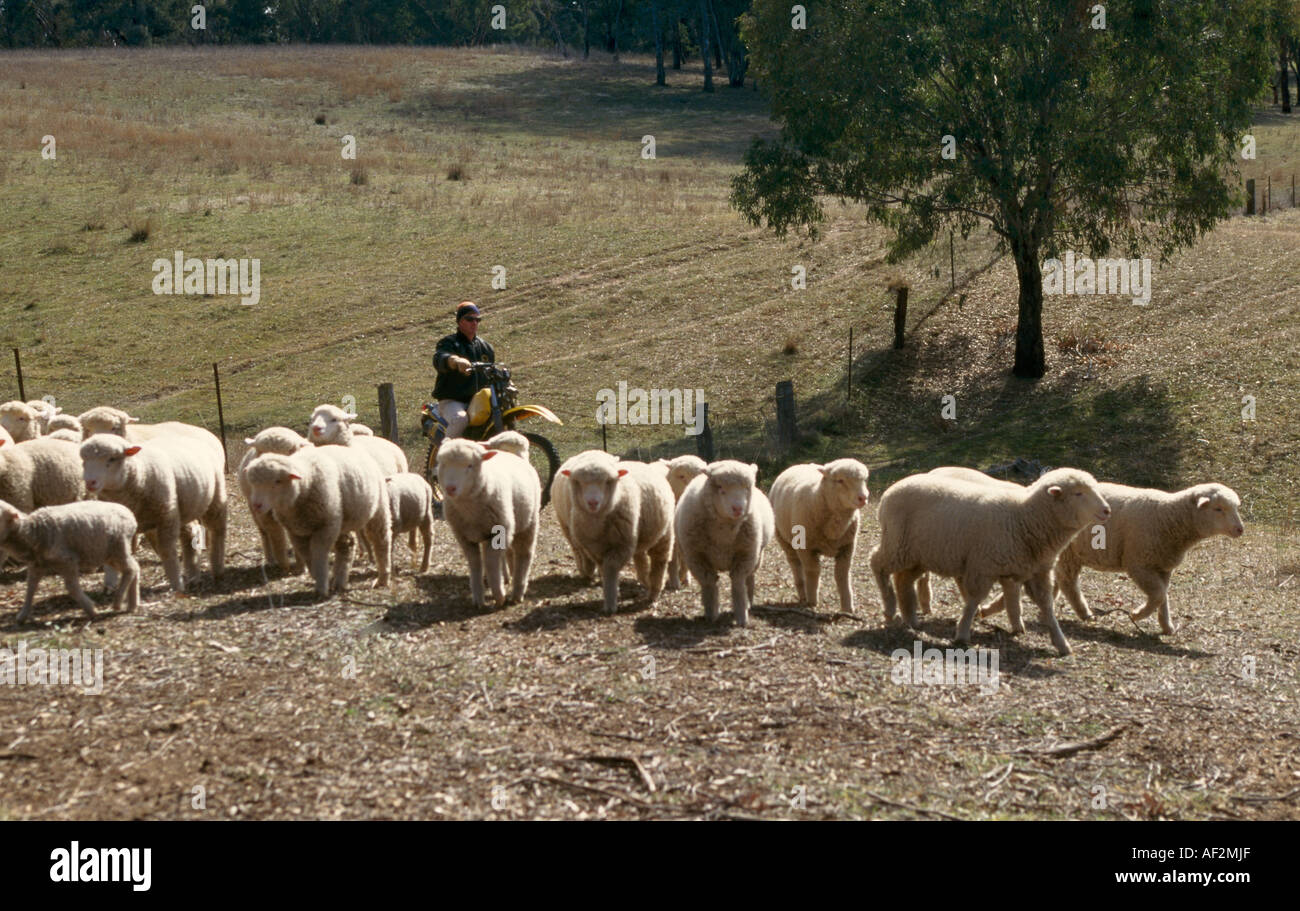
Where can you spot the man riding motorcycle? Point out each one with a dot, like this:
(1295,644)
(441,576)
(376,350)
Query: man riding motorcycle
(452,359)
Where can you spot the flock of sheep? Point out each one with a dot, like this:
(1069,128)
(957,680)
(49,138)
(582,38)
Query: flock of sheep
(670,519)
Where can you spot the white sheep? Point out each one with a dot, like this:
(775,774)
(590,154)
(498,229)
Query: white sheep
(320,494)
(562,506)
(167,482)
(722,524)
(21,420)
(105,419)
(64,433)
(62,421)
(1147,535)
(978,534)
(5,437)
(284,441)
(492,505)
(1010,588)
(681,471)
(45,413)
(68,540)
(333,426)
(361,430)
(40,472)
(410,500)
(816,508)
(621,512)
(509,441)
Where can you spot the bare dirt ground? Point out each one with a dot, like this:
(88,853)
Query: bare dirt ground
(412,704)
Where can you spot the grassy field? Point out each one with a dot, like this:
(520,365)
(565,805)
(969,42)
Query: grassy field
(618,268)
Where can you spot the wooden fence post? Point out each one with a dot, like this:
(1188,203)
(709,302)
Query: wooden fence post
(704,439)
(18,366)
(900,315)
(221,417)
(1250,196)
(388,412)
(848,390)
(785,423)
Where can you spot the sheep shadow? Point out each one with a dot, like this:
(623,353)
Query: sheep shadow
(683,632)
(447,600)
(1127,636)
(791,615)
(631,600)
(1015,656)
(558,585)
(250,603)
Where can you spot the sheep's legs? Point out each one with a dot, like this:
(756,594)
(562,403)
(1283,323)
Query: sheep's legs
(674,568)
(72,578)
(709,594)
(379,536)
(844,563)
(812,576)
(658,556)
(972,592)
(796,569)
(1039,588)
(903,586)
(492,560)
(426,540)
(1067,579)
(877,562)
(741,584)
(343,548)
(474,557)
(189,555)
(216,526)
(130,584)
(318,558)
(1010,598)
(33,583)
(164,541)
(1155,585)
(641,562)
(609,569)
(525,545)
(922,592)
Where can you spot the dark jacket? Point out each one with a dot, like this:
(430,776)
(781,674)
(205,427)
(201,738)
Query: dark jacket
(451,383)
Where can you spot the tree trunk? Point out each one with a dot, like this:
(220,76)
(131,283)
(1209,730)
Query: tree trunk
(613,34)
(660,76)
(1029,363)
(677,44)
(586,32)
(717,35)
(704,46)
(1284,83)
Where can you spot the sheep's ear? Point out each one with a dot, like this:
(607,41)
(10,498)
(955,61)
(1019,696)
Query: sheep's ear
(621,472)
(388,479)
(131,420)
(348,416)
(131,450)
(1202,502)
(1055,490)
(490,453)
(294,477)
(248,441)
(565,472)
(821,468)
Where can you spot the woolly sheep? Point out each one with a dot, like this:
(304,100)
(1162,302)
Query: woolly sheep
(492,505)
(361,430)
(65,422)
(978,534)
(1010,588)
(45,413)
(410,501)
(167,482)
(68,540)
(284,441)
(320,494)
(105,419)
(1147,535)
(562,504)
(509,441)
(621,512)
(816,509)
(5,437)
(40,472)
(723,523)
(681,471)
(66,434)
(332,426)
(21,420)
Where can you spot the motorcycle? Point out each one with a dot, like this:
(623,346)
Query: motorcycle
(493,409)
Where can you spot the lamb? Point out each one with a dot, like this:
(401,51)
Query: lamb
(1147,536)
(562,503)
(723,523)
(509,441)
(284,441)
(21,420)
(105,419)
(978,534)
(816,509)
(167,482)
(332,426)
(320,494)
(1010,588)
(493,503)
(65,422)
(410,500)
(39,472)
(68,540)
(620,512)
(681,471)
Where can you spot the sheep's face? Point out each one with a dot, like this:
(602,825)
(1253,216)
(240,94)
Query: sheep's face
(682,471)
(330,425)
(20,421)
(272,483)
(845,483)
(730,485)
(460,467)
(595,486)
(280,440)
(105,420)
(1216,511)
(105,462)
(1075,497)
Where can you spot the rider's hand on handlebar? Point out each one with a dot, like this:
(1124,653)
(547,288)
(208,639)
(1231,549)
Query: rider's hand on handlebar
(458,363)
